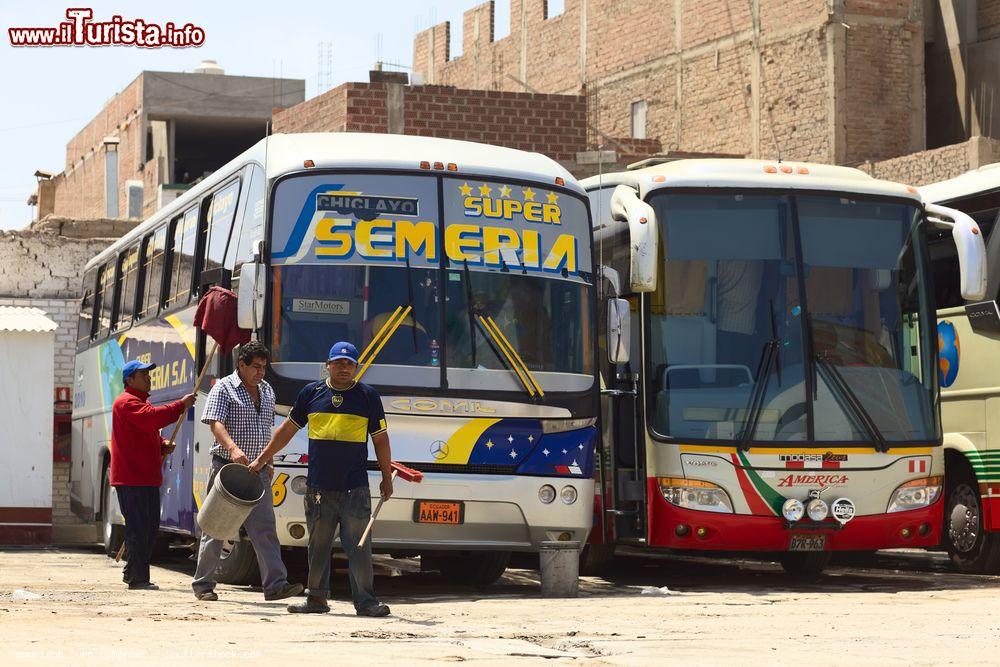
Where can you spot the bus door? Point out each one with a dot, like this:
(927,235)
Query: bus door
(623,483)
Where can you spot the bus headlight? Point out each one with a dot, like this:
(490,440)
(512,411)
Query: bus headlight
(817,509)
(568,495)
(694,494)
(298,485)
(793,510)
(916,494)
(547,494)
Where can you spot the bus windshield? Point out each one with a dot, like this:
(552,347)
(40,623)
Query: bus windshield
(364,256)
(792,318)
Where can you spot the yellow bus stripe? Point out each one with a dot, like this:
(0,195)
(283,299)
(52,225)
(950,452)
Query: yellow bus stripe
(459,446)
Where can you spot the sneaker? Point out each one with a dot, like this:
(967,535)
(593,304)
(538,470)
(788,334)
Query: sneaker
(286,591)
(310,606)
(207,596)
(144,586)
(376,610)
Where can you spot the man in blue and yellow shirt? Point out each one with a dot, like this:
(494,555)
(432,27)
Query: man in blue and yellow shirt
(341,413)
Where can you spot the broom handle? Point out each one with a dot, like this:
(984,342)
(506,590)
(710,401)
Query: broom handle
(177,426)
(371,522)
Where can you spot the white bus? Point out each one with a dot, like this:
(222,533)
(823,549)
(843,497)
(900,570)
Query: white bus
(968,335)
(466,272)
(780,394)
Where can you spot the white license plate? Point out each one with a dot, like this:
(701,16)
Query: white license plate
(807,543)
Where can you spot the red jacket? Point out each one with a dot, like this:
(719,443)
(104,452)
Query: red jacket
(136,439)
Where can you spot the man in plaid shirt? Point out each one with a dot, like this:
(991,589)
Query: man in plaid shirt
(240,412)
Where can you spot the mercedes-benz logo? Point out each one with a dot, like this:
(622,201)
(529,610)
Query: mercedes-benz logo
(439,449)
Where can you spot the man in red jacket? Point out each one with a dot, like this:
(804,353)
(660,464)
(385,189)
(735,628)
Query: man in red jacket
(136,466)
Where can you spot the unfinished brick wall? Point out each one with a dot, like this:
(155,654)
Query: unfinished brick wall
(938,164)
(80,188)
(551,124)
(716,75)
(39,265)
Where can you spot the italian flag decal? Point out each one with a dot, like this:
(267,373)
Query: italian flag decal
(762,499)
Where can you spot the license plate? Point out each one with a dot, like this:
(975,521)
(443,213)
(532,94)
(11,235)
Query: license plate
(439,511)
(807,543)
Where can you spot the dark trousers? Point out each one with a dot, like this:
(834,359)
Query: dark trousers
(350,511)
(141,509)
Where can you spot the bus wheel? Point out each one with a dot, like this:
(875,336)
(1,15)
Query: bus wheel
(238,564)
(113,533)
(475,568)
(972,549)
(595,559)
(805,564)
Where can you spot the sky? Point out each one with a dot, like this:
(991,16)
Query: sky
(51,93)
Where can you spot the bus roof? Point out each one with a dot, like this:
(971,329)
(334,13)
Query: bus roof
(285,153)
(733,173)
(973,182)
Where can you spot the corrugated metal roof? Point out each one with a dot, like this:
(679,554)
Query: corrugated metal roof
(18,318)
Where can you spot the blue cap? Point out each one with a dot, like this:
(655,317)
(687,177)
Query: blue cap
(343,350)
(133,366)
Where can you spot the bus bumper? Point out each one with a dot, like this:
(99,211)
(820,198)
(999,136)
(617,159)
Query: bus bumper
(741,532)
(501,513)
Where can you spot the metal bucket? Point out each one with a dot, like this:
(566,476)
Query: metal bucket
(559,569)
(234,493)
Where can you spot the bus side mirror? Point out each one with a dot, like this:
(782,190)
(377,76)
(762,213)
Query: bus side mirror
(619,331)
(250,299)
(971,249)
(643,236)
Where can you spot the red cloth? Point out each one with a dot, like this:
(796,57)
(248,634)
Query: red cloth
(216,316)
(136,439)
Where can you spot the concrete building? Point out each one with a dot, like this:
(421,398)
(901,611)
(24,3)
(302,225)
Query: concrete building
(159,134)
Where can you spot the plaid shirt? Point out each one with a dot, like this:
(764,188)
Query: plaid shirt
(250,427)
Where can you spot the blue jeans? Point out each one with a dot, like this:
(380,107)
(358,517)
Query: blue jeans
(350,510)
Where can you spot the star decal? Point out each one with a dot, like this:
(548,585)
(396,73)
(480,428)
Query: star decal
(510,439)
(565,452)
(531,438)
(513,454)
(484,189)
(529,194)
(581,445)
(505,191)
(489,444)
(465,189)
(552,197)
(546,451)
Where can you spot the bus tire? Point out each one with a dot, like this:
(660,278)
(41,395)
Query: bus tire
(595,559)
(475,568)
(972,549)
(238,564)
(113,533)
(805,564)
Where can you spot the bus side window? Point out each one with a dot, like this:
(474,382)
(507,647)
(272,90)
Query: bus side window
(182,258)
(154,259)
(85,324)
(128,268)
(249,224)
(105,299)
(218,227)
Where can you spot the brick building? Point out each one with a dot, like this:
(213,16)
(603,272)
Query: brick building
(836,81)
(160,133)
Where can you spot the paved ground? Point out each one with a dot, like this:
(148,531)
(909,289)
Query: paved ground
(647,610)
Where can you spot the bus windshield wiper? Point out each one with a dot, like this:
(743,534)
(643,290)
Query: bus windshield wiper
(510,354)
(836,381)
(769,354)
(470,310)
(756,406)
(381,337)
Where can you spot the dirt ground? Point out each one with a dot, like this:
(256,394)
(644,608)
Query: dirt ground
(647,610)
